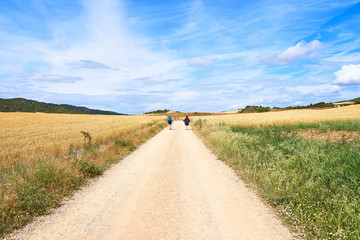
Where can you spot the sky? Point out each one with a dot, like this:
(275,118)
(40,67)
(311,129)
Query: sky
(135,56)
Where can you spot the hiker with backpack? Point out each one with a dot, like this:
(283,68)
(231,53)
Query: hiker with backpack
(187,121)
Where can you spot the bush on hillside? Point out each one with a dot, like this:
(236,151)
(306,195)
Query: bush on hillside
(316,105)
(158,111)
(254,109)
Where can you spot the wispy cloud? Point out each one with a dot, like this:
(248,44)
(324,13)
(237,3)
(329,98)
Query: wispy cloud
(291,54)
(89,64)
(201,62)
(42,77)
(131,56)
(299,50)
(315,90)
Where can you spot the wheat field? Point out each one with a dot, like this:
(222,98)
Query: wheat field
(287,116)
(26,136)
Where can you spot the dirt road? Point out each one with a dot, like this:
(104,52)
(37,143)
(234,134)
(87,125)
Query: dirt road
(171,188)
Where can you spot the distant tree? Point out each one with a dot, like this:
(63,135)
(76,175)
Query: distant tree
(254,109)
(158,111)
(316,105)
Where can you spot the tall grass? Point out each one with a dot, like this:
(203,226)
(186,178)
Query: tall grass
(315,184)
(33,188)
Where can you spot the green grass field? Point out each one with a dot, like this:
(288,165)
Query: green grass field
(314,184)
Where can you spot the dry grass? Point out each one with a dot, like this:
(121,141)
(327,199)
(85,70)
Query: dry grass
(341,103)
(26,136)
(230,112)
(333,136)
(38,167)
(289,116)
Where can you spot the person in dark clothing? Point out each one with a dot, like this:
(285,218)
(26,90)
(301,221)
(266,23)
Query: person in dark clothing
(170,121)
(187,121)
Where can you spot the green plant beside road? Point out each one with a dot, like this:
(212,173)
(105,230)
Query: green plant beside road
(34,188)
(314,184)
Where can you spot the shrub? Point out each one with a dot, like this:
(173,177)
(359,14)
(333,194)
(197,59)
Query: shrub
(87,138)
(90,169)
(255,109)
(125,143)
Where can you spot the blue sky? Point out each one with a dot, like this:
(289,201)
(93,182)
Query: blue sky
(134,56)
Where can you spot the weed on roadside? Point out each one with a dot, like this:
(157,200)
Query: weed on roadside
(33,188)
(127,143)
(313,183)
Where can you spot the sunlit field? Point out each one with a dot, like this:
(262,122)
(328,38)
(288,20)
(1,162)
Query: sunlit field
(45,157)
(287,116)
(25,136)
(306,163)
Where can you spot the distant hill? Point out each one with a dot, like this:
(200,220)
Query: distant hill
(25,105)
(316,105)
(178,114)
(319,105)
(356,100)
(348,102)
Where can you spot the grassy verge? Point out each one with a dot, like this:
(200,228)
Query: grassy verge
(32,189)
(314,184)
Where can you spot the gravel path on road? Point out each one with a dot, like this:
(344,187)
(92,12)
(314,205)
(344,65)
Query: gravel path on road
(171,188)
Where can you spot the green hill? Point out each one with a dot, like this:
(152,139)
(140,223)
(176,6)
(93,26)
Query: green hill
(316,105)
(254,109)
(356,100)
(25,105)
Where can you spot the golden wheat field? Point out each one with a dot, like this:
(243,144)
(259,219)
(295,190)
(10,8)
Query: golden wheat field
(24,136)
(288,116)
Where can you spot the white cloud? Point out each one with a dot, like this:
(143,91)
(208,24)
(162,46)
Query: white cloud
(89,64)
(132,54)
(342,57)
(257,87)
(267,57)
(348,75)
(292,53)
(106,42)
(234,106)
(201,62)
(317,90)
(44,77)
(158,105)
